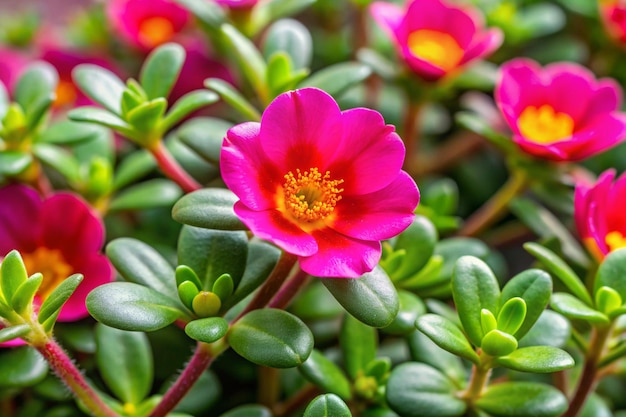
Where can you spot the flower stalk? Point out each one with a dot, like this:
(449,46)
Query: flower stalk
(172,169)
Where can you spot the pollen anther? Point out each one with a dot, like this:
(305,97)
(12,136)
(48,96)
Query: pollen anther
(309,195)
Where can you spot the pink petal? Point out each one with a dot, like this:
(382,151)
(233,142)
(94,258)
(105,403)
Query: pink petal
(20,208)
(602,134)
(519,86)
(272,225)
(246,170)
(569,87)
(616,201)
(379,215)
(370,154)
(301,129)
(483,44)
(421,67)
(388,16)
(340,256)
(605,99)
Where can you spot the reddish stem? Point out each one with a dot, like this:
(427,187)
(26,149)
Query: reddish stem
(289,290)
(172,169)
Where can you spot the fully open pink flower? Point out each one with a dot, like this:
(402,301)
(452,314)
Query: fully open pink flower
(435,37)
(599,213)
(320,183)
(57,236)
(559,112)
(613,14)
(147,24)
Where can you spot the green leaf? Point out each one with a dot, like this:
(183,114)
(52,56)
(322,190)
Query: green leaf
(372,298)
(125,362)
(248,410)
(224,286)
(561,270)
(612,271)
(211,208)
(266,12)
(14,162)
(102,117)
(185,105)
(411,307)
(293,38)
(55,300)
(358,343)
(140,263)
(551,329)
(12,274)
(21,367)
(607,300)
(205,136)
(475,123)
(130,306)
(59,159)
(488,321)
(185,273)
(474,287)
(209,13)
(498,343)
(424,350)
(235,99)
(337,78)
(67,132)
(134,166)
(512,315)
(13,332)
(324,373)
(522,399)
(207,330)
(418,240)
(160,70)
(572,307)
(25,293)
(100,84)
(153,193)
(187,291)
(271,337)
(34,90)
(418,390)
(145,117)
(327,405)
(447,336)
(537,359)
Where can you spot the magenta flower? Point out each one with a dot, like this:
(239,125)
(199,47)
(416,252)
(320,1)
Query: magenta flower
(12,64)
(613,14)
(57,236)
(560,112)
(599,216)
(147,24)
(320,183)
(435,37)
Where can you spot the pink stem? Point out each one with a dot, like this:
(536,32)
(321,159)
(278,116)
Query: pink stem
(172,169)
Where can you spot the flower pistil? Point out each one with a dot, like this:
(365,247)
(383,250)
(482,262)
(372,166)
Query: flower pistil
(156,30)
(544,124)
(436,47)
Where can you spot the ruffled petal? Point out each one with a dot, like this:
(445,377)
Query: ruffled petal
(369,156)
(388,16)
(569,87)
(605,99)
(616,201)
(271,225)
(20,211)
(519,86)
(602,134)
(301,129)
(483,44)
(379,215)
(246,170)
(340,256)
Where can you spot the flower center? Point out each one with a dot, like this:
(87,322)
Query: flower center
(65,93)
(615,240)
(436,47)
(544,124)
(309,195)
(51,264)
(155,30)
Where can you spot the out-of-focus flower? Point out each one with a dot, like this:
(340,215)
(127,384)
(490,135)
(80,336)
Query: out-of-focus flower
(320,183)
(147,24)
(434,37)
(559,112)
(613,14)
(237,4)
(12,64)
(57,236)
(599,215)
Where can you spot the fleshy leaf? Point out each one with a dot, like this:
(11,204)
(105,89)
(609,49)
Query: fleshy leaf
(607,300)
(204,135)
(102,117)
(207,330)
(21,367)
(512,315)
(67,132)
(100,84)
(292,37)
(522,399)
(447,336)
(13,332)
(233,97)
(612,271)
(537,359)
(25,293)
(327,405)
(411,307)
(14,162)
(271,337)
(55,300)
(322,372)
(418,241)
(498,343)
(335,79)
(146,116)
(572,307)
(34,90)
(153,193)
(425,351)
(211,208)
(358,343)
(224,286)
(185,105)
(551,329)
(12,274)
(160,70)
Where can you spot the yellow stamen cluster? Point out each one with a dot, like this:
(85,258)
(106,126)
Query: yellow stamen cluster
(438,48)
(615,240)
(309,195)
(544,124)
(52,265)
(155,30)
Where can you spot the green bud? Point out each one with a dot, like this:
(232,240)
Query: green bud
(185,273)
(187,291)
(512,315)
(487,320)
(206,304)
(14,124)
(607,300)
(498,343)
(100,180)
(366,386)
(224,286)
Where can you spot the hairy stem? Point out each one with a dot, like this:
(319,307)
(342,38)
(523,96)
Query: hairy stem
(172,169)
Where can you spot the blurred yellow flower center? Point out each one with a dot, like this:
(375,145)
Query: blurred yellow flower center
(65,93)
(155,30)
(438,48)
(615,240)
(544,124)
(309,195)
(51,264)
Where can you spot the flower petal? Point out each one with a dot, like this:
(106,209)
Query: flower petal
(379,215)
(340,256)
(272,225)
(388,16)
(20,208)
(483,44)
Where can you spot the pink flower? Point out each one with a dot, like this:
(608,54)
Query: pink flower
(599,215)
(559,112)
(320,183)
(57,236)
(12,64)
(147,24)
(435,37)
(613,14)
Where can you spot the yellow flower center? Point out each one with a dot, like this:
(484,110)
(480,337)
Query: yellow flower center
(438,48)
(155,30)
(310,196)
(615,240)
(51,264)
(544,124)
(65,93)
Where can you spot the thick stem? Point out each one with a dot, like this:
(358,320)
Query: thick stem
(172,169)
(289,290)
(65,369)
(200,361)
(478,380)
(494,209)
(587,379)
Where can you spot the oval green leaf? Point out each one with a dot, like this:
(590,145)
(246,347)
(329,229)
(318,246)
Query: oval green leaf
(325,374)
(188,103)
(100,84)
(337,78)
(612,271)
(447,336)
(522,399)
(153,193)
(572,307)
(358,343)
(207,330)
(537,359)
(21,367)
(55,300)
(12,274)
(210,208)
(160,70)
(418,241)
(327,405)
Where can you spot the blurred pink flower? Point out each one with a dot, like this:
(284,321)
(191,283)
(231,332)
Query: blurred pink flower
(435,37)
(147,24)
(320,183)
(560,112)
(599,215)
(57,236)
(12,64)
(613,14)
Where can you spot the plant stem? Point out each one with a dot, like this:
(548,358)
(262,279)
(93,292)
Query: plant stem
(172,169)
(289,290)
(410,132)
(496,207)
(478,380)
(65,369)
(297,401)
(587,379)
(200,361)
